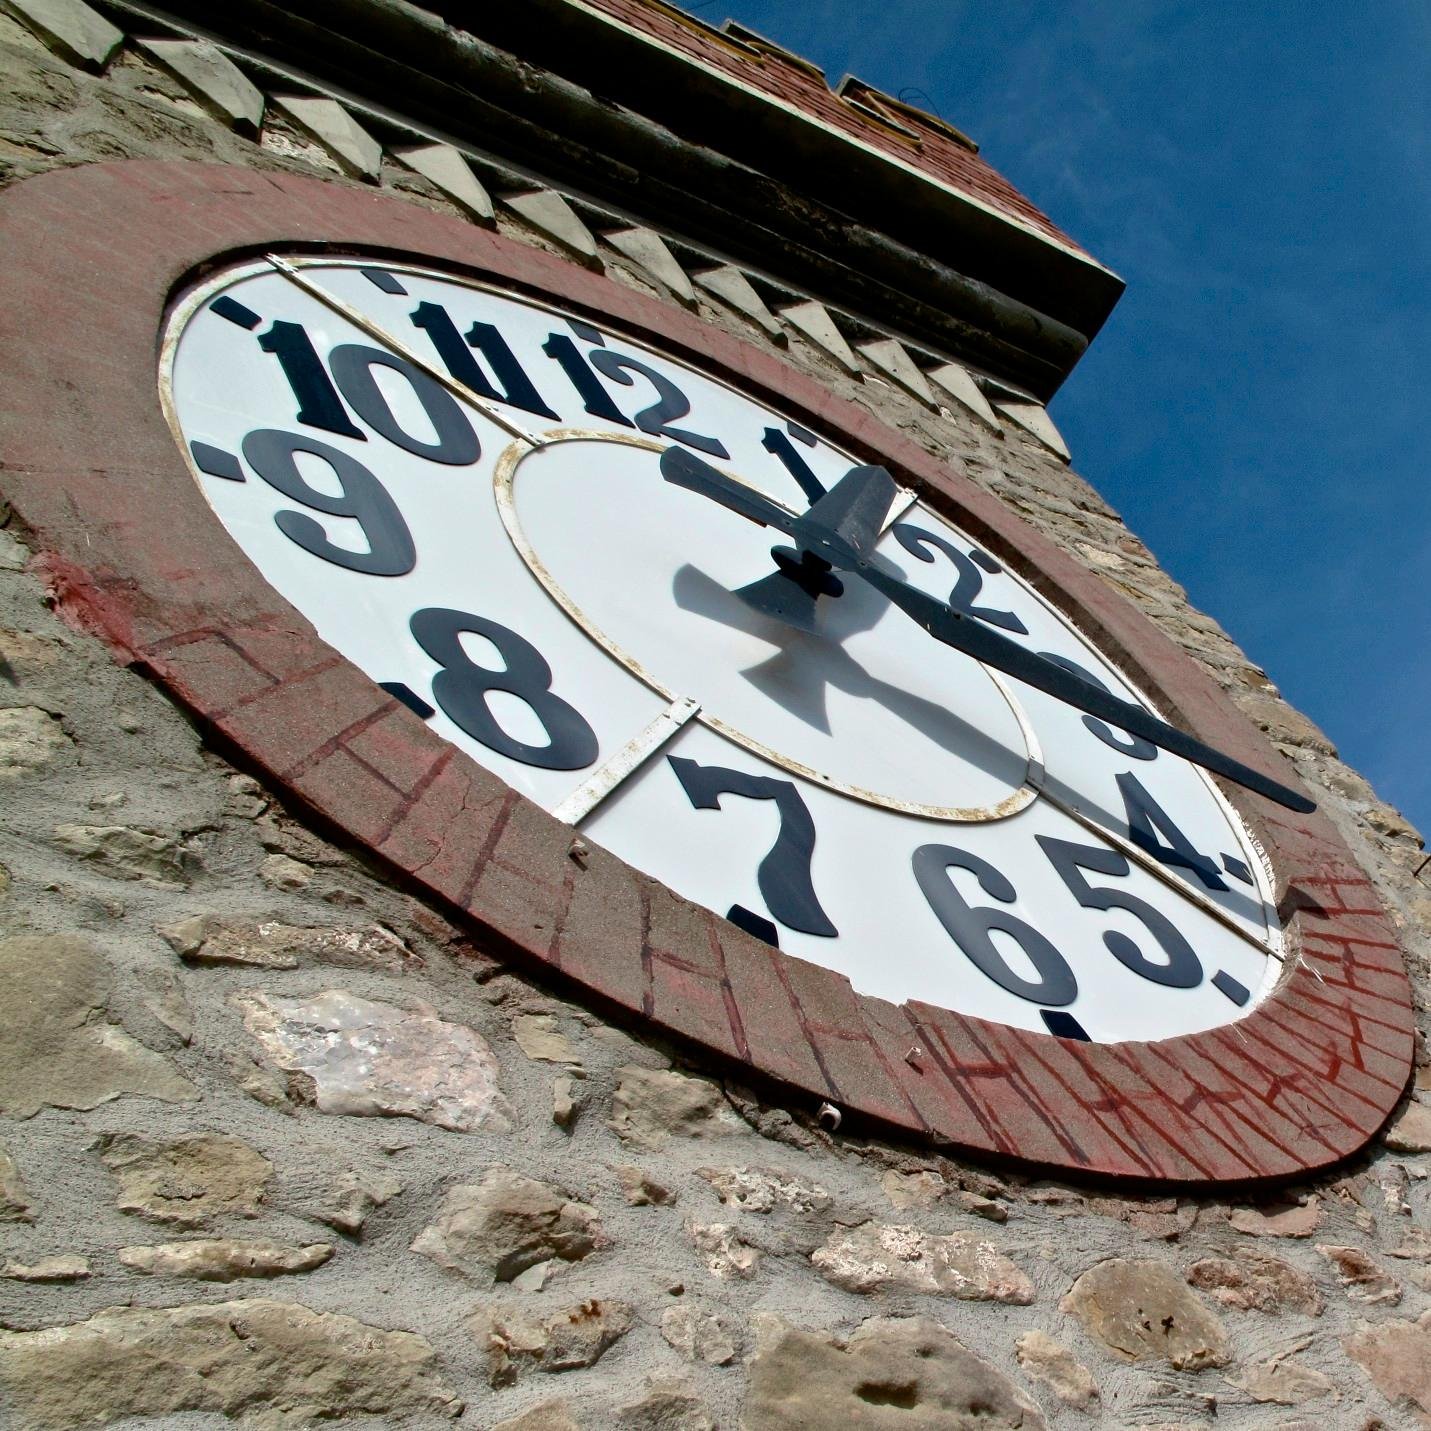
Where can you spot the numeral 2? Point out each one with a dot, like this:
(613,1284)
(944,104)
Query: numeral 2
(656,419)
(915,540)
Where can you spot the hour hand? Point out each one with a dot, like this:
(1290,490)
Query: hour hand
(989,647)
(841,527)
(683,469)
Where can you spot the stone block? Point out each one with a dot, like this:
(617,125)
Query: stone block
(813,321)
(551,215)
(954,382)
(189,1180)
(496,1229)
(650,1106)
(1033,418)
(1411,1130)
(444,168)
(1140,1309)
(70,28)
(891,359)
(59,1267)
(579,1336)
(214,81)
(374,1060)
(256,1358)
(1253,1280)
(725,1252)
(1396,1356)
(15,1205)
(330,126)
(732,287)
(877,1257)
(58,1047)
(224,1259)
(1053,1364)
(31,740)
(700,1335)
(894,1372)
(647,249)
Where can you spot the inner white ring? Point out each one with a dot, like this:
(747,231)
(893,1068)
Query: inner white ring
(504,485)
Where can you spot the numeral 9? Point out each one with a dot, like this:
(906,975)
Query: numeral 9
(273,455)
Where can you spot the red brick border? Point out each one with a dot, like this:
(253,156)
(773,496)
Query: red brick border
(89,258)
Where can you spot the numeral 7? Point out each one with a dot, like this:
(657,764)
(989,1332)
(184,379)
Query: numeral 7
(784,873)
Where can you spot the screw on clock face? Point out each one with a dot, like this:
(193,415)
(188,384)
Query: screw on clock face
(838,532)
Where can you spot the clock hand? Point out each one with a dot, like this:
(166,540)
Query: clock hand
(683,469)
(838,532)
(846,520)
(989,647)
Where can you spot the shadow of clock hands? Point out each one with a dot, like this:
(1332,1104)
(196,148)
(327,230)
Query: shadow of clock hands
(806,664)
(789,678)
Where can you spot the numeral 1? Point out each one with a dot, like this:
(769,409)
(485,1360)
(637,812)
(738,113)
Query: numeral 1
(318,402)
(588,386)
(783,450)
(513,386)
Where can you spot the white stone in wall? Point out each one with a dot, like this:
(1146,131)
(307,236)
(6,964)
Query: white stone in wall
(550,214)
(375,1060)
(1034,420)
(892,359)
(731,286)
(70,28)
(648,249)
(813,321)
(724,1251)
(956,383)
(881,1257)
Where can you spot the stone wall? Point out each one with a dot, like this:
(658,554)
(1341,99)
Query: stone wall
(280,1144)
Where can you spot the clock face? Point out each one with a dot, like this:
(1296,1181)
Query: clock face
(462,489)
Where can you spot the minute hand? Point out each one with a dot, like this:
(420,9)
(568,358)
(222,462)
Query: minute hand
(971,636)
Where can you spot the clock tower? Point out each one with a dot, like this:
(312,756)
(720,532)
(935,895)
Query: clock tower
(604,831)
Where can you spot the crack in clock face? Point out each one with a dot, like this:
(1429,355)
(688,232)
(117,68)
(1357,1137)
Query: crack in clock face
(459,487)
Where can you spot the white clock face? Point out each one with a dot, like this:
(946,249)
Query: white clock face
(463,490)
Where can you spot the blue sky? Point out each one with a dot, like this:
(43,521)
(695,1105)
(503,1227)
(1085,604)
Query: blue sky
(1257,407)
